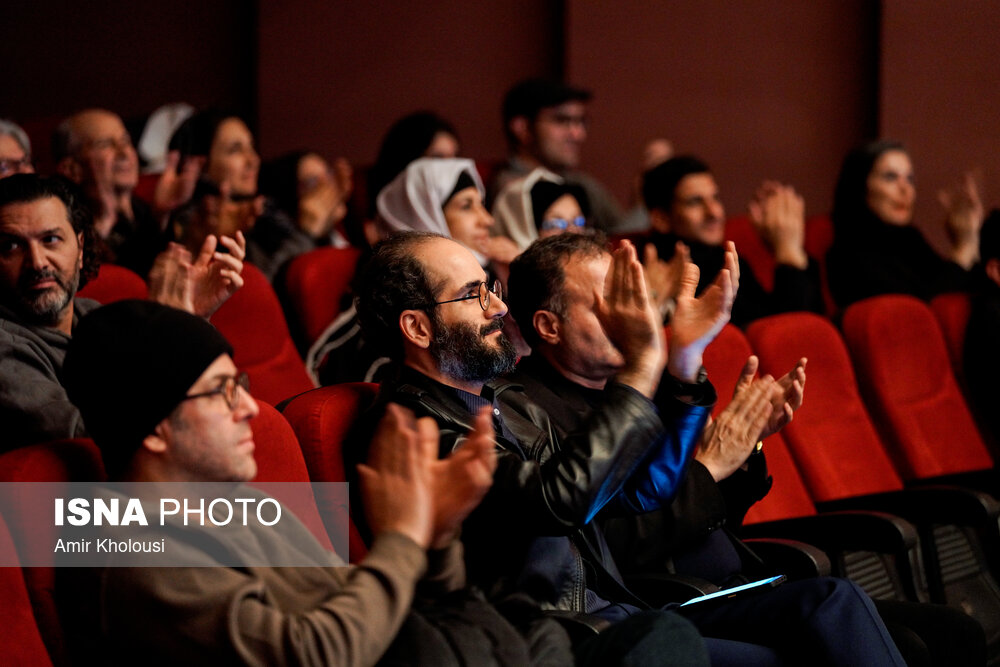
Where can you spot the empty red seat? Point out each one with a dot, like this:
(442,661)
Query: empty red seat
(253,323)
(902,363)
(832,439)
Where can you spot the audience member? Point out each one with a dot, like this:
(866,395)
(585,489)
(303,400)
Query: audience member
(439,195)
(546,125)
(192,424)
(981,352)
(552,296)
(46,256)
(540,204)
(226,166)
(684,207)
(315,194)
(419,134)
(636,219)
(876,247)
(93,149)
(425,300)
(15,150)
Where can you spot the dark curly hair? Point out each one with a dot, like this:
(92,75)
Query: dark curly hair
(537,278)
(26,188)
(393,280)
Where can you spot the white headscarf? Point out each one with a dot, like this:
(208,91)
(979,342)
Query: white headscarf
(414,200)
(513,214)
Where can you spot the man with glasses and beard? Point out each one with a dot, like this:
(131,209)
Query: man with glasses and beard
(425,301)
(46,256)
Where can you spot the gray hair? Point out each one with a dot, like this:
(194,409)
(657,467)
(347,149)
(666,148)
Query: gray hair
(15,131)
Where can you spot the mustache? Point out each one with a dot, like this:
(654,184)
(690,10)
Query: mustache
(487,329)
(30,277)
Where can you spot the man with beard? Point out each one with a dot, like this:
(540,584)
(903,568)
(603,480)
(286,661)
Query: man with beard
(45,257)
(424,300)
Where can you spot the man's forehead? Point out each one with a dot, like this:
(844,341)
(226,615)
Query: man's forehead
(34,216)
(450,262)
(91,124)
(585,273)
(696,184)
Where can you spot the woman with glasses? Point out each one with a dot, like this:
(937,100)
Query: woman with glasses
(539,205)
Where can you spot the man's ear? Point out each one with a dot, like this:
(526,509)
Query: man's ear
(659,221)
(156,442)
(416,327)
(992,269)
(547,326)
(70,168)
(79,244)
(520,127)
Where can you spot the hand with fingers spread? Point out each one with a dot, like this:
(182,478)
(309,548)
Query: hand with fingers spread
(778,214)
(965,218)
(626,313)
(663,279)
(697,320)
(728,441)
(215,276)
(397,480)
(202,285)
(463,478)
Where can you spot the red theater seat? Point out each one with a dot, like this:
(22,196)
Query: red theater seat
(114,283)
(901,359)
(316,283)
(253,323)
(952,311)
(322,418)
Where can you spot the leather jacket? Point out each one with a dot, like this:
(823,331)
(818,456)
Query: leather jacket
(533,532)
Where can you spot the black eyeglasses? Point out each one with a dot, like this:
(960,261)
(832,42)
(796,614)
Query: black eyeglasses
(483,294)
(228,390)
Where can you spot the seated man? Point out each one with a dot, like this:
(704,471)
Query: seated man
(424,299)
(165,403)
(546,126)
(15,150)
(574,363)
(93,149)
(46,256)
(684,206)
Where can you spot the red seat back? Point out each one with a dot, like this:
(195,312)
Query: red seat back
(832,439)
(114,283)
(788,498)
(253,323)
(322,418)
(902,362)
(952,311)
(20,640)
(60,461)
(279,459)
(751,247)
(316,283)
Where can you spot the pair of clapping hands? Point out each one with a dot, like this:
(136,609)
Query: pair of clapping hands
(201,284)
(760,406)
(407,489)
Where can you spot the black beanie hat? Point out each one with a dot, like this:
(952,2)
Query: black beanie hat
(129,364)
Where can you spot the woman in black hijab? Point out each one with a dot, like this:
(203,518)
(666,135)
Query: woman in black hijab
(877,249)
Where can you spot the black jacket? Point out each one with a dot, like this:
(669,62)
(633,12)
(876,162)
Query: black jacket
(533,532)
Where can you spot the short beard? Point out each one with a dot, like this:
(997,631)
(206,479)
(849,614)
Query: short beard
(462,353)
(48,307)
